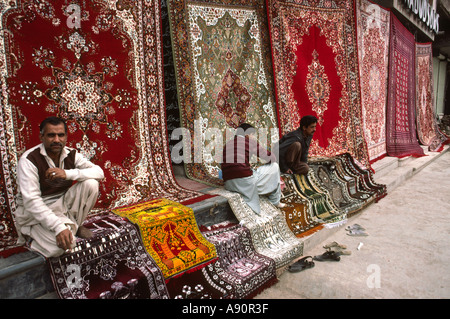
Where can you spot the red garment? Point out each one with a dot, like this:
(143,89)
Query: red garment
(237,154)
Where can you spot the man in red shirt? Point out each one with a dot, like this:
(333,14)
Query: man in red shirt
(238,156)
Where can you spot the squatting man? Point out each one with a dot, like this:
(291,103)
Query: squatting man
(57,187)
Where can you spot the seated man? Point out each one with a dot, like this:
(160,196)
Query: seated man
(239,176)
(50,207)
(293,147)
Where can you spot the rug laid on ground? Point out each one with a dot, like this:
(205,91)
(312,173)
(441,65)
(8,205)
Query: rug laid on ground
(355,187)
(373,50)
(270,233)
(298,211)
(365,177)
(326,173)
(315,59)
(428,131)
(239,265)
(84,62)
(322,204)
(223,70)
(112,265)
(401,137)
(170,235)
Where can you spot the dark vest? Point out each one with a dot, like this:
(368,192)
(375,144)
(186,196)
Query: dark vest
(287,140)
(49,187)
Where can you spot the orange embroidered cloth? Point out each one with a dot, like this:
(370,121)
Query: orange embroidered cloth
(170,235)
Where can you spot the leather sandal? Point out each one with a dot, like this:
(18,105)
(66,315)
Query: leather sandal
(301,264)
(328,256)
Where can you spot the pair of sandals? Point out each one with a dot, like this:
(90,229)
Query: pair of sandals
(301,264)
(333,253)
(356,230)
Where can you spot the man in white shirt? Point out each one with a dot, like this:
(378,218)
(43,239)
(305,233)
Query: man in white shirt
(57,187)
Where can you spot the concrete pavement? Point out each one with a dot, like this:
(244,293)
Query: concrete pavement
(405,254)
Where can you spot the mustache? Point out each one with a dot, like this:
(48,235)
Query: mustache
(56,144)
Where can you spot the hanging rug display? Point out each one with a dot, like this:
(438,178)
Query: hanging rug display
(98,65)
(112,265)
(401,137)
(373,52)
(316,72)
(170,235)
(428,131)
(224,78)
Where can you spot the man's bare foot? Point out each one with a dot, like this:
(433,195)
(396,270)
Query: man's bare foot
(84,232)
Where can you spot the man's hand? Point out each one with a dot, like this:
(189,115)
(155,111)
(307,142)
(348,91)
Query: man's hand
(55,173)
(64,239)
(289,171)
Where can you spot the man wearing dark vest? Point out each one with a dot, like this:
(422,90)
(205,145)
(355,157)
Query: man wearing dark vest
(57,187)
(293,147)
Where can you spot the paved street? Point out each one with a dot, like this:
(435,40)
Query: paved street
(405,254)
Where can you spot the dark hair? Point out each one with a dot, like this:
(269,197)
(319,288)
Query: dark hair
(53,120)
(245,129)
(307,120)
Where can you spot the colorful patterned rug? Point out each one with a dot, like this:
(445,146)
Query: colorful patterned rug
(223,70)
(270,233)
(428,131)
(352,180)
(239,265)
(373,51)
(325,170)
(199,284)
(84,61)
(298,211)
(401,137)
(111,265)
(170,235)
(314,50)
(322,204)
(365,177)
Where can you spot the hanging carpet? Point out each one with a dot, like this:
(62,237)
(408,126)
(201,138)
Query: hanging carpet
(111,265)
(373,50)
(84,62)
(401,137)
(170,235)
(270,233)
(239,265)
(223,71)
(298,211)
(428,131)
(315,60)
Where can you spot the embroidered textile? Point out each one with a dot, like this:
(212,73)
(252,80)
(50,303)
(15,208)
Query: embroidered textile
(373,51)
(170,235)
(111,265)
(316,72)
(401,138)
(239,265)
(270,233)
(326,173)
(427,129)
(322,205)
(298,211)
(84,62)
(364,177)
(223,71)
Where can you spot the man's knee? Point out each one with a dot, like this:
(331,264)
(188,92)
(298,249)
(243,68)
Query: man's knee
(91,185)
